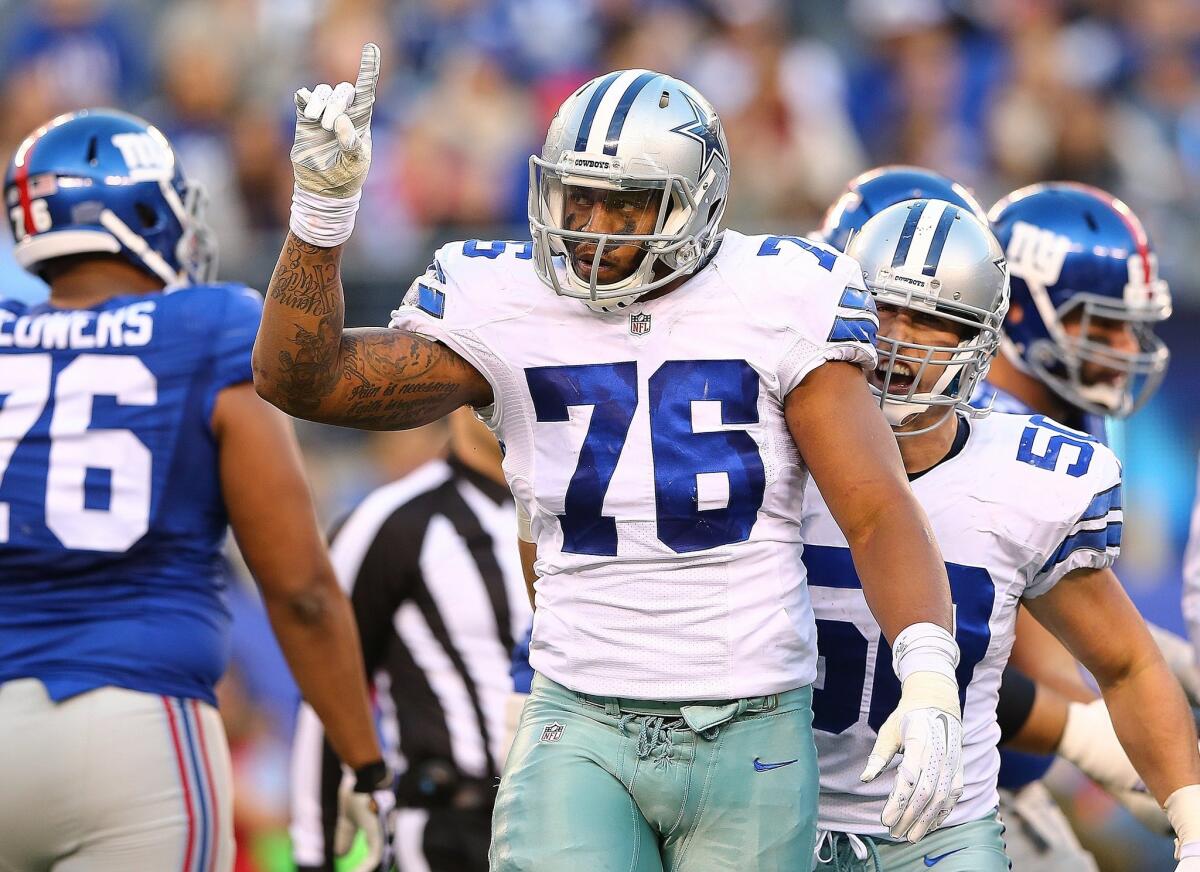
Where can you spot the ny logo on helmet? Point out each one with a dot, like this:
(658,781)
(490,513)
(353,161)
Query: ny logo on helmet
(1037,255)
(639,323)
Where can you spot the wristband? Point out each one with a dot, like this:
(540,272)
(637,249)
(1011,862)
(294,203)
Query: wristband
(924,647)
(323,221)
(1183,810)
(372,777)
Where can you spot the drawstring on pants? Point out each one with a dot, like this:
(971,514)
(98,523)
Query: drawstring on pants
(848,852)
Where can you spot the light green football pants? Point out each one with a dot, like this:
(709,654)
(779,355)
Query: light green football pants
(596,784)
(976,846)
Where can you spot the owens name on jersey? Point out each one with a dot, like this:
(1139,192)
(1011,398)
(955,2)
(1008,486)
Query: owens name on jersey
(111,517)
(1020,502)
(649,447)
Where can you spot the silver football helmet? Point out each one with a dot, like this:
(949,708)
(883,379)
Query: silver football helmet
(934,257)
(644,139)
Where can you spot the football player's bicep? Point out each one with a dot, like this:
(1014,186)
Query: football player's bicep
(1086,599)
(846,443)
(393,380)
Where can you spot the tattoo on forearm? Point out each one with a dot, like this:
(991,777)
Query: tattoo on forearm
(306,279)
(377,378)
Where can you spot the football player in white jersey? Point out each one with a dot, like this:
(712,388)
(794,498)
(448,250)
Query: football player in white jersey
(1025,511)
(662,390)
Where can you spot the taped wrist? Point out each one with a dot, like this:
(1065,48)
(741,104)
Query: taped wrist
(1183,810)
(924,647)
(323,221)
(1017,695)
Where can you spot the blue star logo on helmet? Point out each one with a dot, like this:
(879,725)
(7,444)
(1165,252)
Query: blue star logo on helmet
(705,132)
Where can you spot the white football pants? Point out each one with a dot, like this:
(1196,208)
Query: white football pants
(112,781)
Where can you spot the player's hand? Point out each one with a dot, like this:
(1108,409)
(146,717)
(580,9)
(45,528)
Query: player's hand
(927,727)
(1090,742)
(1181,658)
(332,150)
(367,802)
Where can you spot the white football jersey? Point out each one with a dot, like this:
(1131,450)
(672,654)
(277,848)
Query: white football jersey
(650,450)
(1022,503)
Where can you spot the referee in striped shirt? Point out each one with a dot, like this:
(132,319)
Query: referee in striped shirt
(431,566)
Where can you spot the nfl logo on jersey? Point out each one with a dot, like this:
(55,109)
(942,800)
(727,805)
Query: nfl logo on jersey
(639,323)
(552,732)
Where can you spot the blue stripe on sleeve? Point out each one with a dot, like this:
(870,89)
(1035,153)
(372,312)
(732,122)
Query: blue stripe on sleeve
(622,110)
(589,114)
(853,330)
(431,301)
(1102,503)
(1086,540)
(856,298)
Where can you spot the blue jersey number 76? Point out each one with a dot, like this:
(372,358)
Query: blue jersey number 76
(680,454)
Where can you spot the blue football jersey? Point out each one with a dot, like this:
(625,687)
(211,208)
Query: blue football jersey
(111,515)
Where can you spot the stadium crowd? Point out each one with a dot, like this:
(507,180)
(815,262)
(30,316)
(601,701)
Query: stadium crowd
(996,94)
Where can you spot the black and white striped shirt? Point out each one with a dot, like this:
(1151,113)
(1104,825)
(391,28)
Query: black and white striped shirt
(431,567)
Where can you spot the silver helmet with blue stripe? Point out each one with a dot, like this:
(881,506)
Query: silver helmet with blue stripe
(938,262)
(629,190)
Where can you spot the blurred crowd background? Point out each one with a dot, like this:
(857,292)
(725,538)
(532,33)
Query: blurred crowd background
(996,93)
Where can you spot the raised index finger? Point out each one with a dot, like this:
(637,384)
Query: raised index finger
(368,71)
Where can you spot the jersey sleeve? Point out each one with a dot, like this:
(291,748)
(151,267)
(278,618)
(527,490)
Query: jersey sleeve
(833,320)
(1089,536)
(233,340)
(451,301)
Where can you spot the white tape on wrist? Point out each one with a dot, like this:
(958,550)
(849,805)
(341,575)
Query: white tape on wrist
(323,221)
(924,647)
(1183,810)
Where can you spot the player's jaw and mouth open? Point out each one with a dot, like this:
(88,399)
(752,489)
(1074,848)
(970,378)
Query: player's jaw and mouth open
(915,347)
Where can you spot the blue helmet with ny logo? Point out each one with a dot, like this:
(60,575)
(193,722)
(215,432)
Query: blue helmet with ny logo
(101,181)
(1085,296)
(875,190)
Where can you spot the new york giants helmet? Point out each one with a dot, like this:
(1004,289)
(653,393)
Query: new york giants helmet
(1077,252)
(875,190)
(934,257)
(630,131)
(99,180)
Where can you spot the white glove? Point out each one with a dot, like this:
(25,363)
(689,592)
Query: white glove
(1090,742)
(367,802)
(332,153)
(927,726)
(1181,658)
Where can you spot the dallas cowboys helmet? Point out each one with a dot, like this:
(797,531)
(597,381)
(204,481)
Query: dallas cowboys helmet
(630,131)
(1075,250)
(875,190)
(99,180)
(935,257)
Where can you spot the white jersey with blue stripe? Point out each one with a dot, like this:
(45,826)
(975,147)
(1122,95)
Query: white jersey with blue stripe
(988,396)
(1024,502)
(649,448)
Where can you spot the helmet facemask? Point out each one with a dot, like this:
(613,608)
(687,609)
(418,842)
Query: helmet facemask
(669,248)
(1062,361)
(904,365)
